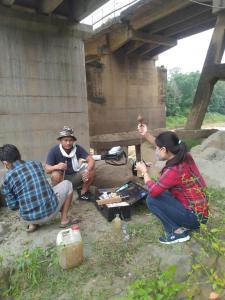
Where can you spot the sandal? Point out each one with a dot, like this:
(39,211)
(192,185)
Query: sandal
(32,228)
(70,223)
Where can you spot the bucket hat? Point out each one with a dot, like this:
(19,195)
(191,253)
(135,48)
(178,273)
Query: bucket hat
(66,132)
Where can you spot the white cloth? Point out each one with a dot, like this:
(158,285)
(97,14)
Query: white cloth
(72,155)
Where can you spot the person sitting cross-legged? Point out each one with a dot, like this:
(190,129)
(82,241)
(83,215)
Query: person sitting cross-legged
(27,189)
(64,162)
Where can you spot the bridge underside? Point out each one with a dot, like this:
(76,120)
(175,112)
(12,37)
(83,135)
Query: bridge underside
(151,27)
(75,10)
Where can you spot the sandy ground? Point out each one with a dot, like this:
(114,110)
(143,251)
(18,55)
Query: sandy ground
(210,156)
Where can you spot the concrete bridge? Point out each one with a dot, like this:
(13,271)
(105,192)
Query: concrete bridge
(42,67)
(42,72)
(74,10)
(151,27)
(130,44)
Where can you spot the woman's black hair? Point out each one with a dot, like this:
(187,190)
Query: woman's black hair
(171,142)
(10,153)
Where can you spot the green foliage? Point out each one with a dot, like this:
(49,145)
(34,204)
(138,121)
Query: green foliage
(211,239)
(162,287)
(211,243)
(30,268)
(181,90)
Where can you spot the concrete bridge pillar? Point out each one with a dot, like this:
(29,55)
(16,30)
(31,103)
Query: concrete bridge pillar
(121,87)
(42,82)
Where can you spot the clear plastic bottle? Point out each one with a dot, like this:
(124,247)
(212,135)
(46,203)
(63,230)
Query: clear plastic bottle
(117,223)
(125,232)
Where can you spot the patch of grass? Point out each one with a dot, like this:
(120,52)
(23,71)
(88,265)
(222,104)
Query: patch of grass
(113,252)
(175,122)
(213,118)
(192,143)
(179,121)
(147,232)
(162,287)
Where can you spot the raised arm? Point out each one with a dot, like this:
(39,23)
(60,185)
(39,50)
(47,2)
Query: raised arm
(143,130)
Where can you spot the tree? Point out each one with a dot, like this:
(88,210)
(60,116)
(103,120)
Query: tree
(181,90)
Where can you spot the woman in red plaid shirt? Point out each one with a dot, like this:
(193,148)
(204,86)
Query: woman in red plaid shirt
(178,197)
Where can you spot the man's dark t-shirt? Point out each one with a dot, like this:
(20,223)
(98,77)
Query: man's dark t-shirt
(55,156)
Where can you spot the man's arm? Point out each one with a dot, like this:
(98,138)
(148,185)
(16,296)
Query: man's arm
(10,198)
(60,166)
(90,162)
(51,164)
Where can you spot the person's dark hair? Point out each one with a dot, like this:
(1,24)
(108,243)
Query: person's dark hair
(9,153)
(171,142)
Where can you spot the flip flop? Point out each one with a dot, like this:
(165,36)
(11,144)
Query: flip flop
(70,223)
(34,228)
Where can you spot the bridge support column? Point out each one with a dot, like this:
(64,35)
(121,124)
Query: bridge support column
(209,75)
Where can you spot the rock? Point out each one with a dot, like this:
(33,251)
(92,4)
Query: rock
(209,261)
(216,141)
(105,175)
(210,158)
(205,292)
(168,257)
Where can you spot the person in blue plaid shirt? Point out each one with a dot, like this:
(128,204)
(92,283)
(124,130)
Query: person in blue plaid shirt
(27,189)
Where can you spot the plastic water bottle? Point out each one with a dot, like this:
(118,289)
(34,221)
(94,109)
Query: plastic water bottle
(125,232)
(70,246)
(117,223)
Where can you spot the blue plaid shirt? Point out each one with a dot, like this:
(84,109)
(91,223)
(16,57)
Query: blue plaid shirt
(26,188)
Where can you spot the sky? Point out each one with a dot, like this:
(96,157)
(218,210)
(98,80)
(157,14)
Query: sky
(187,56)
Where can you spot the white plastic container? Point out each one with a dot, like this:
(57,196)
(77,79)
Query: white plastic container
(70,247)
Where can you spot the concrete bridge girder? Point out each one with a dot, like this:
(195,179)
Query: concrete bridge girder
(75,10)
(7,2)
(152,27)
(48,6)
(116,39)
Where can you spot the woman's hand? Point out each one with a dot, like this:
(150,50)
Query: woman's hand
(142,128)
(140,166)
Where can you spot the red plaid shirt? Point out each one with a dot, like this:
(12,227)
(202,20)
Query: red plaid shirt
(185,183)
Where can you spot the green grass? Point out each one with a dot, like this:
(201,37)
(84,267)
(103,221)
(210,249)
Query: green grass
(192,143)
(175,122)
(179,121)
(214,118)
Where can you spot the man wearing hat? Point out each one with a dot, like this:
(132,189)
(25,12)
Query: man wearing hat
(66,161)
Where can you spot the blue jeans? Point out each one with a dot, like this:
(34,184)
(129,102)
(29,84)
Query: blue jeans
(172,213)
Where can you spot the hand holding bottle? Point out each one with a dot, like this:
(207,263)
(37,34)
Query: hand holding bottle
(142,128)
